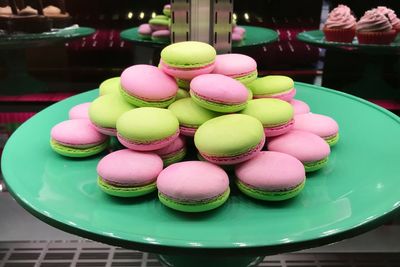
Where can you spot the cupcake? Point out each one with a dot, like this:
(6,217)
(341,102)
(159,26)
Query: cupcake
(391,15)
(374,28)
(340,25)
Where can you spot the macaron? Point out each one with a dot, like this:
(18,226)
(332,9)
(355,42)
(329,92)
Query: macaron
(275,115)
(271,176)
(77,138)
(167,10)
(273,86)
(237,66)
(147,128)
(183,84)
(161,36)
(181,94)
(145,31)
(147,86)
(159,22)
(128,173)
(105,111)
(237,37)
(80,111)
(110,86)
(300,107)
(190,115)
(174,152)
(321,125)
(193,186)
(186,60)
(307,147)
(230,139)
(239,30)
(218,93)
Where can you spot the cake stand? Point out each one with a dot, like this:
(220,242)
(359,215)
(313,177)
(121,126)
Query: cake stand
(255,36)
(12,53)
(357,191)
(372,78)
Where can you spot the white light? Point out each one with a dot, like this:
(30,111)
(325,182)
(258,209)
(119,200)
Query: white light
(246,16)
(130,15)
(234,16)
(141,15)
(153,15)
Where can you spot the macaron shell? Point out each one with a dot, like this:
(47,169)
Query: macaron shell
(80,111)
(318,124)
(110,86)
(105,110)
(147,124)
(148,83)
(271,171)
(134,191)
(178,144)
(129,168)
(269,195)
(305,146)
(300,107)
(186,73)
(182,94)
(229,135)
(272,84)
(189,54)
(145,29)
(192,181)
(78,152)
(219,88)
(234,65)
(76,133)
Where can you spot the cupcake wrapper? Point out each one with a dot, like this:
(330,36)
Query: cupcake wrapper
(376,37)
(340,35)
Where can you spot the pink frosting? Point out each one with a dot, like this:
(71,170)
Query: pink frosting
(186,73)
(299,106)
(318,124)
(126,167)
(341,18)
(271,170)
(219,88)
(373,21)
(145,29)
(234,65)
(76,133)
(390,14)
(192,181)
(178,144)
(305,146)
(161,33)
(80,111)
(148,83)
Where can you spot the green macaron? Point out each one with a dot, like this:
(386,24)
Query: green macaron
(160,20)
(182,94)
(109,86)
(273,86)
(105,111)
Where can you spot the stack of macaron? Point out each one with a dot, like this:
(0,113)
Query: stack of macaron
(377,26)
(158,27)
(233,120)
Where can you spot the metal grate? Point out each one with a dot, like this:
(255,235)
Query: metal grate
(85,253)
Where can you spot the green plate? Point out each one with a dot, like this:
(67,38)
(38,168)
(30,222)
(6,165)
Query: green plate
(255,36)
(355,192)
(24,40)
(317,38)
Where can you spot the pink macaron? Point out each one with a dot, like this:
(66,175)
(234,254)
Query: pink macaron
(128,173)
(271,176)
(147,86)
(162,35)
(218,93)
(237,37)
(318,124)
(239,30)
(307,147)
(174,152)
(77,138)
(299,107)
(145,31)
(237,66)
(80,111)
(193,186)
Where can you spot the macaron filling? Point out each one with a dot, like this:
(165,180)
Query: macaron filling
(285,95)
(332,140)
(246,77)
(126,191)
(315,165)
(188,205)
(77,151)
(147,145)
(274,130)
(127,184)
(106,130)
(270,194)
(217,105)
(140,101)
(176,156)
(187,66)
